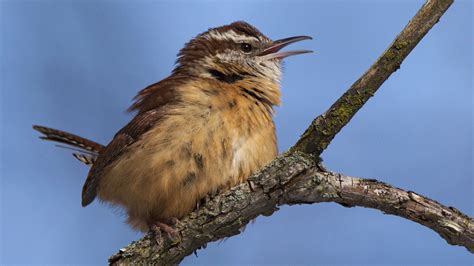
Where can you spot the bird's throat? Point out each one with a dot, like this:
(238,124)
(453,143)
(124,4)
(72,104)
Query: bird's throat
(227,78)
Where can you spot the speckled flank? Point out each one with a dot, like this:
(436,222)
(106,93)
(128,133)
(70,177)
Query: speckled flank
(222,129)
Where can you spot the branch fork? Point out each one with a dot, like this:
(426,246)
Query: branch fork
(298,177)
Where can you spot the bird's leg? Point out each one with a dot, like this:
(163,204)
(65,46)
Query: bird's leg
(202,201)
(207,198)
(156,231)
(158,227)
(175,221)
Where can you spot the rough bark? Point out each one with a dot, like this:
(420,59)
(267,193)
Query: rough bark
(325,127)
(297,178)
(294,179)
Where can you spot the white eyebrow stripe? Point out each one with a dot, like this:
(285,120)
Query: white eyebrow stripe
(229,35)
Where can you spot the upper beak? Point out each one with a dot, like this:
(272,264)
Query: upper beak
(272,51)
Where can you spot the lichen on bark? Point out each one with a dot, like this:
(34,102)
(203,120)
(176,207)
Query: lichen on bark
(297,177)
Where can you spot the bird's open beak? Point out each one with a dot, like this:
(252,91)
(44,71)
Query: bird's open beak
(271,51)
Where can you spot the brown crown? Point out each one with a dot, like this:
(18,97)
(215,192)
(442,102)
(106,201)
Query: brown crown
(200,46)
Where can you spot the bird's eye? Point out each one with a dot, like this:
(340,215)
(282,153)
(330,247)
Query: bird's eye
(246,47)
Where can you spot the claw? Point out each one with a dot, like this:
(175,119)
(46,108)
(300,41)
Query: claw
(175,221)
(206,199)
(159,227)
(156,231)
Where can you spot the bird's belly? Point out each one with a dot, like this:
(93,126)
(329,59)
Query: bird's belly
(168,171)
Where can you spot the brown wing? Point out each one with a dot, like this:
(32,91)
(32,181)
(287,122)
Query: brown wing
(150,103)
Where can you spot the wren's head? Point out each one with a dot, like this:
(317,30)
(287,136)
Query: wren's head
(234,52)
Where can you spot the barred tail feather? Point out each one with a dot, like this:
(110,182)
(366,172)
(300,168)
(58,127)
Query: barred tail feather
(85,159)
(88,149)
(69,139)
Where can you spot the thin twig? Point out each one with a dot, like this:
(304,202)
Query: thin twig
(324,128)
(295,178)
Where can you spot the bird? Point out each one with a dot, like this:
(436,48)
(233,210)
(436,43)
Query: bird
(205,128)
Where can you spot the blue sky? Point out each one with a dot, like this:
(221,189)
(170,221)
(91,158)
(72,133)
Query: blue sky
(75,65)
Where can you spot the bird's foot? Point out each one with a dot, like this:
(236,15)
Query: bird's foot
(207,198)
(203,201)
(158,228)
(175,222)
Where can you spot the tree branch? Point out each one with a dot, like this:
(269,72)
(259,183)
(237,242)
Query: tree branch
(324,128)
(294,179)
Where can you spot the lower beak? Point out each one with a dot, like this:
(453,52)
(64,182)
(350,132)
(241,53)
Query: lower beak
(272,51)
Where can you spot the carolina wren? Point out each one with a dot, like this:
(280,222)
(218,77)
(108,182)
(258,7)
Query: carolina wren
(205,128)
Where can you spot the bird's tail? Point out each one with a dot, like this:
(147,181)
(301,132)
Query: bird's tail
(87,150)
